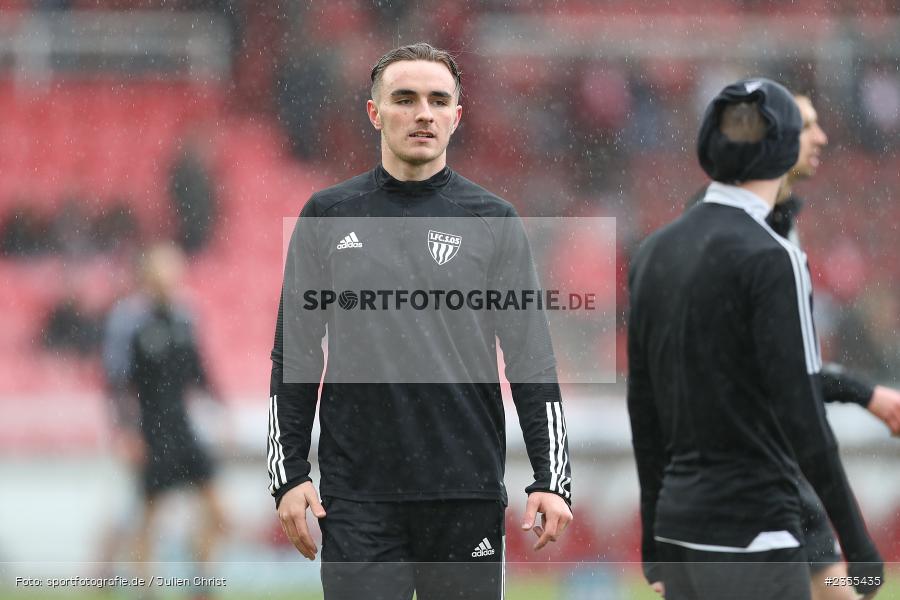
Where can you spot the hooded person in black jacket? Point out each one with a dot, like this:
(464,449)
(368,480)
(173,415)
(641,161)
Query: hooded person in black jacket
(838,383)
(725,403)
(412,444)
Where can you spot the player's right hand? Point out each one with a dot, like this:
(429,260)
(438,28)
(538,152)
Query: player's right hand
(885,404)
(659,588)
(868,577)
(292,513)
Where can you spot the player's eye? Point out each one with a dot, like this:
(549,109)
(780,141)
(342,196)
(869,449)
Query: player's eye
(441,102)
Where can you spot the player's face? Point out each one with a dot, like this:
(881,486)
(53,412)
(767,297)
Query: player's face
(812,140)
(416,110)
(163,272)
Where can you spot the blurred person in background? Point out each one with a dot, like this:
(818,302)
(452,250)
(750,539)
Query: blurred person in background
(192,190)
(151,359)
(308,70)
(723,389)
(838,383)
(412,474)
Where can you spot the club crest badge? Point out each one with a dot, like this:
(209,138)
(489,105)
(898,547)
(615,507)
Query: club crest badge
(443,246)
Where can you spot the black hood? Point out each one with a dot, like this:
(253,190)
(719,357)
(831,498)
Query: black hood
(773,156)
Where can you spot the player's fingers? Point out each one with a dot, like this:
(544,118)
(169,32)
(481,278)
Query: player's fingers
(305,538)
(290,530)
(538,528)
(550,532)
(545,539)
(659,588)
(894,423)
(564,521)
(315,505)
(293,520)
(531,509)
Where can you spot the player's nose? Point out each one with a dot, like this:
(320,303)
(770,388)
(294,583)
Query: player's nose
(424,113)
(821,137)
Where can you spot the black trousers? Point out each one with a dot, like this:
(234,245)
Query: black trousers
(439,549)
(697,575)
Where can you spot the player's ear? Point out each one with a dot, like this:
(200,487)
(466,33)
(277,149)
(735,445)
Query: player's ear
(374,117)
(458,117)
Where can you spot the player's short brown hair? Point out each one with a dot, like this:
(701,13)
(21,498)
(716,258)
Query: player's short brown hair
(742,122)
(419,51)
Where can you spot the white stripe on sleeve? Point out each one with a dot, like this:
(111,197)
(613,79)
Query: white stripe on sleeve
(803,284)
(551,430)
(279,456)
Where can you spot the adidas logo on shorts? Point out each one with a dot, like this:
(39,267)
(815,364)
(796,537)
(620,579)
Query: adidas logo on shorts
(483,549)
(349,241)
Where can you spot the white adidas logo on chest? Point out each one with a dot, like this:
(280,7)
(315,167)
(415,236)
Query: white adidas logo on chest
(349,241)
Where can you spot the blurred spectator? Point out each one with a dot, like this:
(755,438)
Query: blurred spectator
(115,228)
(604,101)
(645,121)
(193,192)
(879,101)
(305,82)
(71,229)
(71,232)
(70,328)
(305,88)
(24,233)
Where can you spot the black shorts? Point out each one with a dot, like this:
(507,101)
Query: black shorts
(175,466)
(698,575)
(439,549)
(822,549)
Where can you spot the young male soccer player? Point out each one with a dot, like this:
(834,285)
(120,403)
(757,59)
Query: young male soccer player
(722,388)
(411,460)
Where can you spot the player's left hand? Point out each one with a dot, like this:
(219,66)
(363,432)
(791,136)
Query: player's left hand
(555,517)
(885,404)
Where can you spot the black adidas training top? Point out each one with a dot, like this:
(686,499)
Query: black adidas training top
(390,431)
(838,384)
(722,389)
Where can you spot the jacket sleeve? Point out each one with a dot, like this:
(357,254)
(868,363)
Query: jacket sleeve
(119,329)
(646,439)
(297,362)
(530,363)
(839,385)
(786,346)
(195,366)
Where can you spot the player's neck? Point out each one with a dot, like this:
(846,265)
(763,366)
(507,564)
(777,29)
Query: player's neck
(786,189)
(404,171)
(767,189)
